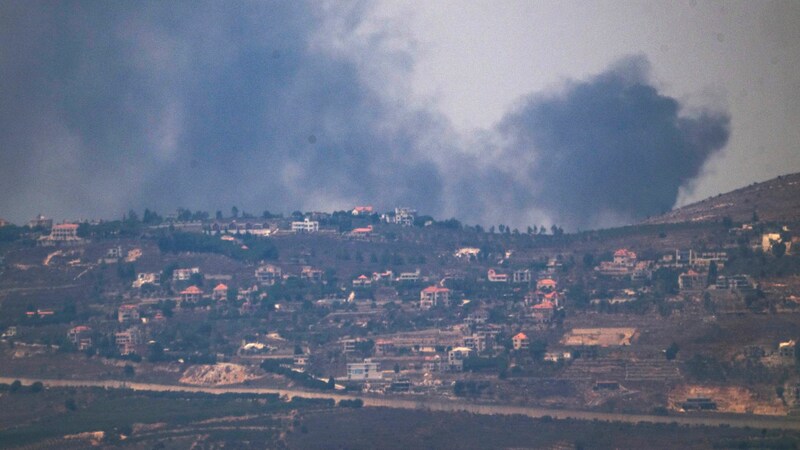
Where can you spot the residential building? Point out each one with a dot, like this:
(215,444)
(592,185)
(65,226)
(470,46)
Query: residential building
(479,342)
(220,292)
(496,277)
(268,275)
(456,357)
(362,210)
(192,294)
(64,232)
(433,296)
(362,281)
(409,276)
(128,340)
(621,266)
(184,274)
(306,226)
(143,278)
(543,312)
(520,341)
(368,370)
(80,336)
(521,276)
(787,349)
(311,274)
(128,313)
(691,281)
(735,283)
(404,216)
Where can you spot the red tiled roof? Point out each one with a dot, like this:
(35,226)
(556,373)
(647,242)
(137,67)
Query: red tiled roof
(520,336)
(192,290)
(547,304)
(221,287)
(434,289)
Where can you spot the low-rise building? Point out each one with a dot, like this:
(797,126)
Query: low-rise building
(495,277)
(456,357)
(192,294)
(268,274)
(368,370)
(220,292)
(311,274)
(520,341)
(128,340)
(691,281)
(787,349)
(64,232)
(362,281)
(80,336)
(433,296)
(128,313)
(184,274)
(521,276)
(305,226)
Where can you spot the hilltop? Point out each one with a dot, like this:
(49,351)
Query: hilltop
(776,200)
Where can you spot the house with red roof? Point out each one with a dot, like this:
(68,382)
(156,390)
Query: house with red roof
(362,281)
(220,292)
(520,341)
(192,294)
(432,296)
(543,312)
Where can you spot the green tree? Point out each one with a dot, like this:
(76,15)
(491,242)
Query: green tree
(672,351)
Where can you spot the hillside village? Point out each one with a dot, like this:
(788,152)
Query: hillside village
(662,318)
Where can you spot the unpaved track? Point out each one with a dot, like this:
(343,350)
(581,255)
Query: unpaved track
(751,421)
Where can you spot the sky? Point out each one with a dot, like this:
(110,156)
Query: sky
(583,114)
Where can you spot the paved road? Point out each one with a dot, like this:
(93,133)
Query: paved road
(751,421)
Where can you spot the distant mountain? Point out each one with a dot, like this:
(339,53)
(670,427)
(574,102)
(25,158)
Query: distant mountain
(776,200)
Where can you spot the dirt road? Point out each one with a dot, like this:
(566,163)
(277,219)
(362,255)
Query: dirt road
(743,421)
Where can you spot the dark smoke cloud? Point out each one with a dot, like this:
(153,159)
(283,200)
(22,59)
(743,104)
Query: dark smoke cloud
(609,150)
(106,107)
(111,106)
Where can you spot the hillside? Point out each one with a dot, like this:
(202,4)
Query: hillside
(776,200)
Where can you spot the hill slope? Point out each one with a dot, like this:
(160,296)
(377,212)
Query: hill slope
(776,200)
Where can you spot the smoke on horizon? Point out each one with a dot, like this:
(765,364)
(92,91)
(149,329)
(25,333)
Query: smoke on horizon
(104,108)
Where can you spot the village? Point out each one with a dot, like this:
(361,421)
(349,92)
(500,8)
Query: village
(654,319)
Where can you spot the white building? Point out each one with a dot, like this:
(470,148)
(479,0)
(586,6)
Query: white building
(364,371)
(456,357)
(404,216)
(64,232)
(306,226)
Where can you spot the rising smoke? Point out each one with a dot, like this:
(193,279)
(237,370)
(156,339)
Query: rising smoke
(106,107)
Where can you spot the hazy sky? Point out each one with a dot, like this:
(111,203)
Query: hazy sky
(581,113)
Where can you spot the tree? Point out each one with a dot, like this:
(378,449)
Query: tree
(778,249)
(218,215)
(331,384)
(70,404)
(712,273)
(37,387)
(672,351)
(15,385)
(235,212)
(128,371)
(83,230)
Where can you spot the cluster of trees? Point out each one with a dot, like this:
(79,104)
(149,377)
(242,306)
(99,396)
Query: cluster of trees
(255,249)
